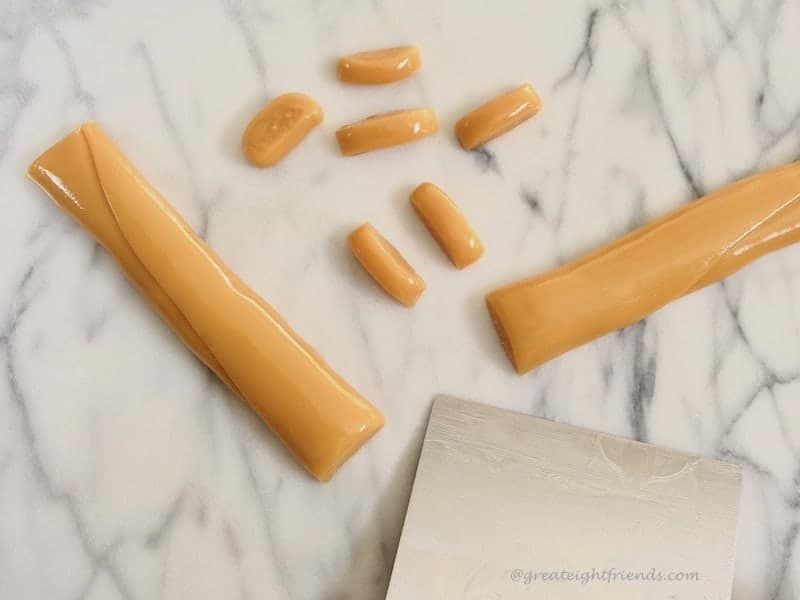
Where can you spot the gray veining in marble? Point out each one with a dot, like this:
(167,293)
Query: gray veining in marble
(127,471)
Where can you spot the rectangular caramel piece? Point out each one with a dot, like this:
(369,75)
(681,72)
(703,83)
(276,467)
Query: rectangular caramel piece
(386,130)
(620,283)
(386,265)
(317,415)
(379,66)
(497,116)
(446,224)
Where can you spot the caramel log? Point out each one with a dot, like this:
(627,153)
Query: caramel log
(626,280)
(498,116)
(279,127)
(447,225)
(389,129)
(320,418)
(379,66)
(386,265)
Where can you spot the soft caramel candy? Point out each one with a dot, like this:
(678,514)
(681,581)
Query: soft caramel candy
(446,224)
(386,130)
(279,127)
(626,280)
(379,66)
(386,265)
(498,116)
(241,338)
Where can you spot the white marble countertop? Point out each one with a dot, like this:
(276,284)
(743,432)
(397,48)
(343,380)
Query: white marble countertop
(127,471)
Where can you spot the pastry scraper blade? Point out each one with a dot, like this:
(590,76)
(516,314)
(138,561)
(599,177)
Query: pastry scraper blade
(506,506)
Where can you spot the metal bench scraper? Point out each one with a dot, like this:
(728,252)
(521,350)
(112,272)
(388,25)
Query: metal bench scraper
(506,506)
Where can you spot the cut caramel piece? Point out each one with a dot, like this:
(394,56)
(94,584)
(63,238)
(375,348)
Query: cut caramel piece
(626,280)
(386,130)
(241,338)
(279,127)
(447,225)
(379,66)
(386,265)
(498,116)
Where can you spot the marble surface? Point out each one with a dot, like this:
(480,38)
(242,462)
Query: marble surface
(127,472)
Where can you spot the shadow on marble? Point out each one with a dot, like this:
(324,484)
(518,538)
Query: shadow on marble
(328,69)
(247,422)
(422,239)
(326,136)
(373,554)
(477,318)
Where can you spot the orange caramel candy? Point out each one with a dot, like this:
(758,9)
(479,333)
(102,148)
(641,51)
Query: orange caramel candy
(498,116)
(622,282)
(386,265)
(386,130)
(279,127)
(446,224)
(379,66)
(320,418)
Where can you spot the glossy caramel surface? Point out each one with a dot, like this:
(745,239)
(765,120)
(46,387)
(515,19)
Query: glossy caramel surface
(624,281)
(386,130)
(447,224)
(319,417)
(498,116)
(386,265)
(379,66)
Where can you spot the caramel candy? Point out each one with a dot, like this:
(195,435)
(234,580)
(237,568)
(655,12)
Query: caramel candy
(620,283)
(241,338)
(279,127)
(386,130)
(447,225)
(386,265)
(379,66)
(498,116)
